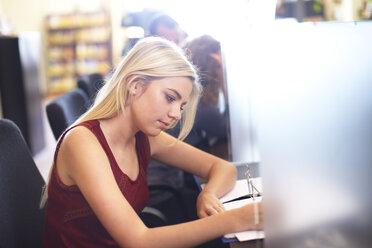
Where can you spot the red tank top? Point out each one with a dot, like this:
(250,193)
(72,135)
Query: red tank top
(69,221)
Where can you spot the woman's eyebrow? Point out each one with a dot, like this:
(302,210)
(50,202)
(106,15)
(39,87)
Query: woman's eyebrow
(178,95)
(176,92)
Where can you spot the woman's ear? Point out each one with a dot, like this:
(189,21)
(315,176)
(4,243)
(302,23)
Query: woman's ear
(136,87)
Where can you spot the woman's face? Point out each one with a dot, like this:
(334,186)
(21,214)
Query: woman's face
(161,102)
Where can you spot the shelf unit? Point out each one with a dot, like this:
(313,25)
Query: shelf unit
(77,44)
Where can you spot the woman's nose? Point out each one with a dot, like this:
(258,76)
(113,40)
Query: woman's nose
(175,112)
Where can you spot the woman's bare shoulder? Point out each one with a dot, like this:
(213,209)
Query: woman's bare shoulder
(79,134)
(79,150)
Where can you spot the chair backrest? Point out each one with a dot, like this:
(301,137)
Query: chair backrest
(90,84)
(65,109)
(21,219)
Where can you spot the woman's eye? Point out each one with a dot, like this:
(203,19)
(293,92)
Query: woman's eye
(182,107)
(170,98)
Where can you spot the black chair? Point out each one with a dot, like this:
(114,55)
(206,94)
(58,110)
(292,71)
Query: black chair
(90,84)
(65,109)
(21,219)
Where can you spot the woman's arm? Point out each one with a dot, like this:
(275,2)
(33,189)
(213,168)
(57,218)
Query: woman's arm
(83,162)
(221,174)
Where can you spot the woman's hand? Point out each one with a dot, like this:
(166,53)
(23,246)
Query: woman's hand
(250,216)
(208,204)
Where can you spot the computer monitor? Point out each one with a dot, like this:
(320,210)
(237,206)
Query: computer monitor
(306,91)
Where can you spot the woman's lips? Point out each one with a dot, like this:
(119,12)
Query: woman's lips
(164,125)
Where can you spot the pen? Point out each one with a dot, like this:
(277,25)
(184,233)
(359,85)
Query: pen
(251,189)
(248,177)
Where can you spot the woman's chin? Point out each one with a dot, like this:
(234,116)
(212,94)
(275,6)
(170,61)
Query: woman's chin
(154,132)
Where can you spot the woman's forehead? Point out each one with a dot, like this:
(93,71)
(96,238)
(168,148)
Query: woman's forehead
(181,85)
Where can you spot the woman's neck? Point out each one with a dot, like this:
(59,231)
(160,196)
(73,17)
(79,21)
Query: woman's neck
(118,130)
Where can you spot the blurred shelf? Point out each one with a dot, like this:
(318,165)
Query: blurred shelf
(77,44)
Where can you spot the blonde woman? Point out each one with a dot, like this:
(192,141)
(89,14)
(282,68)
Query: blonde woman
(98,184)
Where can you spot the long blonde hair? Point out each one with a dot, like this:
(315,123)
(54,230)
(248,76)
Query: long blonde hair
(151,58)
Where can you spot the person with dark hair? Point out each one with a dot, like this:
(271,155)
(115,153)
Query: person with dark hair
(211,119)
(164,26)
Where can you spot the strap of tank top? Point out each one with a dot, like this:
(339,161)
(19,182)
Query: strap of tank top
(89,124)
